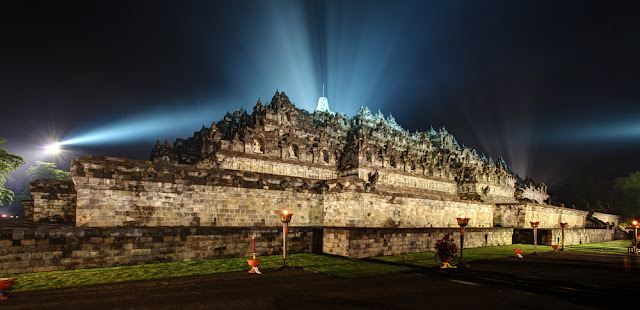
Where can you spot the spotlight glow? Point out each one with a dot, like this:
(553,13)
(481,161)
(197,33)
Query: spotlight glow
(53,148)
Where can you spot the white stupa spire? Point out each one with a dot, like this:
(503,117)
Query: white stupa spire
(323,103)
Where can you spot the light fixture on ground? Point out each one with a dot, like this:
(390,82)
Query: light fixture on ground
(564,226)
(534,224)
(285,218)
(254,262)
(635,225)
(462,221)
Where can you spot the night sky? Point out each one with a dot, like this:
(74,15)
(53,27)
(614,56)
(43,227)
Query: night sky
(551,86)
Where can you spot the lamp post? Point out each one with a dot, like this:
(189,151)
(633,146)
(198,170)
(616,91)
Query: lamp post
(462,221)
(635,225)
(534,224)
(564,226)
(285,218)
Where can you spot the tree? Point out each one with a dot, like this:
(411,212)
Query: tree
(585,192)
(44,170)
(20,186)
(626,195)
(8,163)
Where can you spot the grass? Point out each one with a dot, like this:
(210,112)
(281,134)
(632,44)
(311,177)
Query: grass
(332,265)
(428,259)
(610,247)
(342,267)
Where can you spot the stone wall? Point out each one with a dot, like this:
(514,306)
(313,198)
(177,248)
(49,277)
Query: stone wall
(118,192)
(50,248)
(373,218)
(408,180)
(28,209)
(363,243)
(608,218)
(582,235)
(260,164)
(519,215)
(550,217)
(573,236)
(53,201)
(355,209)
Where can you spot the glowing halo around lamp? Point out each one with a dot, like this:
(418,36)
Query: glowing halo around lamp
(285,218)
(462,221)
(53,148)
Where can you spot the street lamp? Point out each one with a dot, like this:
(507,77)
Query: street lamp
(285,218)
(462,221)
(534,224)
(635,225)
(564,226)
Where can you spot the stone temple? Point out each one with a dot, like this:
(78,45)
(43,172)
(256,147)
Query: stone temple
(358,187)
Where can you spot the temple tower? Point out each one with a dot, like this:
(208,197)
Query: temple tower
(323,103)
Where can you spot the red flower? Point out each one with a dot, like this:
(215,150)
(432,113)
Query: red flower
(445,248)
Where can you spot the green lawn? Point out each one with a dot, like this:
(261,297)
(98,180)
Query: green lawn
(332,265)
(429,260)
(610,247)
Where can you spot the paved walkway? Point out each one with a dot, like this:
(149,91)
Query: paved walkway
(568,280)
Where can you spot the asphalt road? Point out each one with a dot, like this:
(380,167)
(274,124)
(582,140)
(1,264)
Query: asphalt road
(566,280)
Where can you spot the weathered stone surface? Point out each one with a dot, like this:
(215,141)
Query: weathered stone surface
(573,236)
(363,243)
(364,173)
(280,139)
(53,201)
(28,209)
(80,249)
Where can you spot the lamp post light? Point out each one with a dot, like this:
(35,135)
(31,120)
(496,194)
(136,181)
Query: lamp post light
(564,226)
(534,224)
(462,221)
(635,225)
(285,218)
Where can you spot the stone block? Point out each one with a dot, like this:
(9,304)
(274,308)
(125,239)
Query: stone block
(18,234)
(141,252)
(45,268)
(15,265)
(96,240)
(28,242)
